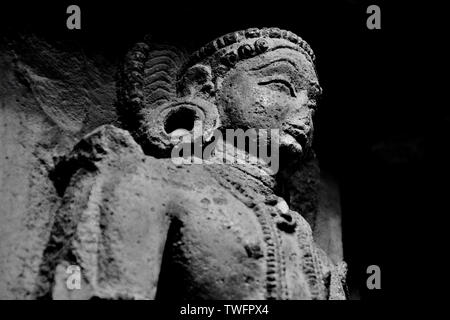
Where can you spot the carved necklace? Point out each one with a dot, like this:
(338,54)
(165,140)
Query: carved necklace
(273,220)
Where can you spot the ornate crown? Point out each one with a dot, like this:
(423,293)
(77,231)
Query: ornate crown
(244,44)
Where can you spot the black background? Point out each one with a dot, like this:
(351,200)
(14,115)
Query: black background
(369,128)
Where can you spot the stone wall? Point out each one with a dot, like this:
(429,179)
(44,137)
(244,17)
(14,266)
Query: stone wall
(50,95)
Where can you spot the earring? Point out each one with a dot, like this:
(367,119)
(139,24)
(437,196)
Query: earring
(173,122)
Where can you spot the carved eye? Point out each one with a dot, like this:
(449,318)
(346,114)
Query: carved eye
(280,85)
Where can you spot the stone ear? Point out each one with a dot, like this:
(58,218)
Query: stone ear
(197,78)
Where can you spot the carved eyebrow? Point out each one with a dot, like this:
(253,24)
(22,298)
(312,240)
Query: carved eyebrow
(273,62)
(287,83)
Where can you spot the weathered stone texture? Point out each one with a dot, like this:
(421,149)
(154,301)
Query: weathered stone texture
(50,95)
(136,224)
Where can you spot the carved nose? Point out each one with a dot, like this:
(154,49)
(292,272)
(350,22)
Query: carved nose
(282,206)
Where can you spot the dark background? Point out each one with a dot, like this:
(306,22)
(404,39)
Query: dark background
(370,128)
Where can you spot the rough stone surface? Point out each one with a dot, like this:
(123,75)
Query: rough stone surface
(137,225)
(49,97)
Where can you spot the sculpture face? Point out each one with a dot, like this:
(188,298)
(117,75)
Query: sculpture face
(271,91)
(255,79)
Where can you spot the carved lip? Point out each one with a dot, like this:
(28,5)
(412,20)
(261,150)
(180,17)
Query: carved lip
(298,134)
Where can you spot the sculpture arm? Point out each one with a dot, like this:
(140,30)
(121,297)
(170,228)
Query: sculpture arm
(110,224)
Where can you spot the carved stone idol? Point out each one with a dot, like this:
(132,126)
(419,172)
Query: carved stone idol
(141,226)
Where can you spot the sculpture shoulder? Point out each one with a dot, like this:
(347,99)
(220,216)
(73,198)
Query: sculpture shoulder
(95,149)
(105,141)
(112,152)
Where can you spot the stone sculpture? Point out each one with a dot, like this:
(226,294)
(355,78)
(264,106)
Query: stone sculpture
(141,227)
